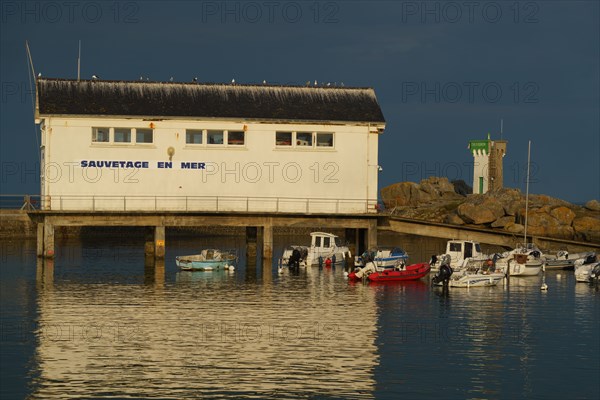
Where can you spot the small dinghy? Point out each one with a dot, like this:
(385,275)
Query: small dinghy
(207,260)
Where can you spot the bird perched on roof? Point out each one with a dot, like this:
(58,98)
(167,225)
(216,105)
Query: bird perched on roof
(233,81)
(195,79)
(171,79)
(264,82)
(328,83)
(39,74)
(95,77)
(316,83)
(141,78)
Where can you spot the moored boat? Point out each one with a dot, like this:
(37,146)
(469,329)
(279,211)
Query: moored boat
(406,273)
(564,260)
(207,260)
(383,257)
(462,253)
(465,279)
(587,269)
(324,246)
(522,261)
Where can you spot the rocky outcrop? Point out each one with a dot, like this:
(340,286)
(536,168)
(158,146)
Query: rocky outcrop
(593,205)
(434,199)
(430,190)
(587,228)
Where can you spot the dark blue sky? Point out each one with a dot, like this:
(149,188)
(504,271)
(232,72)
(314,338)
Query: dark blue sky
(444,72)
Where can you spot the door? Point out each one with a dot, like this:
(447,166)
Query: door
(468,250)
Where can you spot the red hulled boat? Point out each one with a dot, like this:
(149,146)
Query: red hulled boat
(408,273)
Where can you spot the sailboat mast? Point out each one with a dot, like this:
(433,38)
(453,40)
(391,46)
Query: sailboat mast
(527,189)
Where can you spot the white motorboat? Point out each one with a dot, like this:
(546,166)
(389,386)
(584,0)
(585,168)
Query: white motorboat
(564,260)
(466,279)
(463,254)
(587,269)
(487,275)
(325,248)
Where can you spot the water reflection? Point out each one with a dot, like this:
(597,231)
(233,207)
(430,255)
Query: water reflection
(207,334)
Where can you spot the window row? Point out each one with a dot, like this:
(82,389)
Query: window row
(122,135)
(304,139)
(217,137)
(212,137)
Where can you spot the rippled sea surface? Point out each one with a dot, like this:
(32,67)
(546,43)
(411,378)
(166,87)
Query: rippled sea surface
(99,322)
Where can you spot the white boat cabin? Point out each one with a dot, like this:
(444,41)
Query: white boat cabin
(323,240)
(460,250)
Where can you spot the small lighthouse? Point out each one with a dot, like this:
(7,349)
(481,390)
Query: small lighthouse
(487,164)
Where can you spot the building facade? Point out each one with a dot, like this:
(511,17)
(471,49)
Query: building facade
(488,157)
(147,146)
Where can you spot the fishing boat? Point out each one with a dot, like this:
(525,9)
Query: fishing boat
(383,257)
(323,247)
(472,276)
(381,274)
(462,253)
(564,260)
(207,260)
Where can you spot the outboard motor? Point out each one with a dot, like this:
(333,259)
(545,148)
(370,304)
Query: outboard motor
(294,261)
(444,273)
(595,274)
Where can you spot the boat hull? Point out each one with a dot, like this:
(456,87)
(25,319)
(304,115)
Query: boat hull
(409,273)
(201,265)
(529,269)
(474,280)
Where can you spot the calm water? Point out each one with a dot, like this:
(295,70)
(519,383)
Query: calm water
(101,324)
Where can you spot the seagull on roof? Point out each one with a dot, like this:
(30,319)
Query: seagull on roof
(328,83)
(171,79)
(195,79)
(39,74)
(316,83)
(141,78)
(264,82)
(233,81)
(95,77)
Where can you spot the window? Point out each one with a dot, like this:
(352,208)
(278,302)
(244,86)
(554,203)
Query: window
(318,241)
(235,138)
(283,138)
(100,135)
(324,139)
(326,242)
(215,137)
(304,139)
(193,136)
(143,135)
(122,135)
(455,247)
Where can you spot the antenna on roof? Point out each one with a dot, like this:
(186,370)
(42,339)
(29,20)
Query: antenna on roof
(30,59)
(79,62)
(501,127)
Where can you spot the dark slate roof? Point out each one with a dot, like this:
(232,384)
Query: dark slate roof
(167,99)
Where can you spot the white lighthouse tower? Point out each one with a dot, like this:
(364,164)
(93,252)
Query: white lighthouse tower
(488,156)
